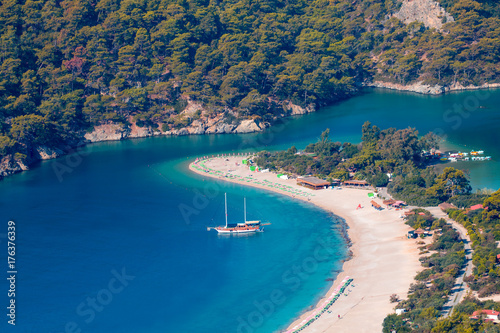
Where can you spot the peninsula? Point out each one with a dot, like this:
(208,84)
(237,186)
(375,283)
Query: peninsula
(356,182)
(383,260)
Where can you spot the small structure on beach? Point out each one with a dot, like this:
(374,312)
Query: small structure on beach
(420,232)
(356,183)
(409,213)
(313,183)
(389,203)
(336,182)
(376,205)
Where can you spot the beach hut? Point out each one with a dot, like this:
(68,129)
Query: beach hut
(356,183)
(312,182)
(376,205)
(389,202)
(336,182)
(419,232)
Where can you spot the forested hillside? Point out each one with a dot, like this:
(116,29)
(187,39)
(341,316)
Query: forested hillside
(67,66)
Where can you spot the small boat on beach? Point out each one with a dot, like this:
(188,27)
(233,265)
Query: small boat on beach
(477,152)
(239,228)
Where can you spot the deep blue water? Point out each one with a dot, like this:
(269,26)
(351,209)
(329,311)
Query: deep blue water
(115,209)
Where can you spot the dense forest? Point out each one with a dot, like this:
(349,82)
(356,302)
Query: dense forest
(67,66)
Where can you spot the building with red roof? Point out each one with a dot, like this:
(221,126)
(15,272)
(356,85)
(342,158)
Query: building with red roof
(476,207)
(486,314)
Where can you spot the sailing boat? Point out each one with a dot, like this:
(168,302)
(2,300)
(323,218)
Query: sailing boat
(239,228)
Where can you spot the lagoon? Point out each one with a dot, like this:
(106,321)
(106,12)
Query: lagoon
(133,208)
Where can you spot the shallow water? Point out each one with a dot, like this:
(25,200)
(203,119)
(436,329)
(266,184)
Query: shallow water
(132,209)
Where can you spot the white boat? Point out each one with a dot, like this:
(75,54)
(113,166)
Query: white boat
(239,228)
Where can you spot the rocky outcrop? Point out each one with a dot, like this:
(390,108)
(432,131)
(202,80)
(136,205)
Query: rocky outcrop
(428,12)
(458,87)
(140,132)
(294,109)
(220,128)
(9,166)
(204,123)
(107,132)
(247,126)
(192,107)
(46,153)
(421,88)
(418,87)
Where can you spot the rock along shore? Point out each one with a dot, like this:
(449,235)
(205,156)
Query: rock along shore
(421,88)
(205,124)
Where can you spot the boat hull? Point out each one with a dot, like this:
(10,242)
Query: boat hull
(236,231)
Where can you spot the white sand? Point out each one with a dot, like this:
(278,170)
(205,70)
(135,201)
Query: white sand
(384,261)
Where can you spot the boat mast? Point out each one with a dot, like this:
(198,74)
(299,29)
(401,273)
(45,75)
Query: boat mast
(225,204)
(245,208)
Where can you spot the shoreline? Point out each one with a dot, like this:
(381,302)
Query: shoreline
(382,261)
(424,89)
(10,166)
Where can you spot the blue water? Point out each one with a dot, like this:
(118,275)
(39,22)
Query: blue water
(115,209)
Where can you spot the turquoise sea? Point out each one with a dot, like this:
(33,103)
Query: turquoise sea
(113,237)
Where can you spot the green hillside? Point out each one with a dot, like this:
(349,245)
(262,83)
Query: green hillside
(67,66)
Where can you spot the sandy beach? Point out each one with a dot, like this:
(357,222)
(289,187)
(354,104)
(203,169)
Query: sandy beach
(383,263)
